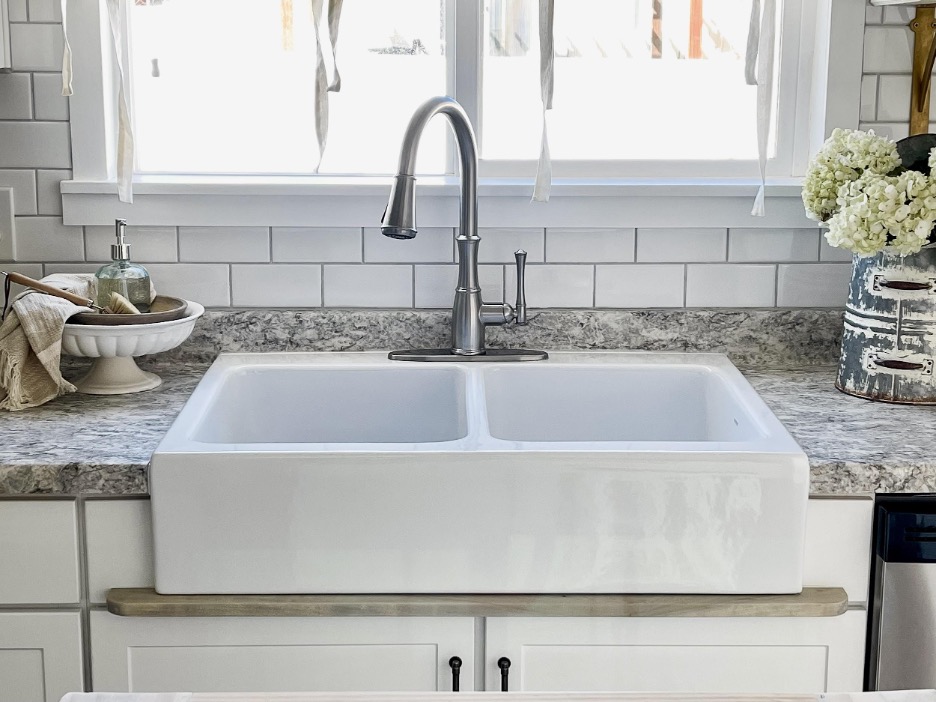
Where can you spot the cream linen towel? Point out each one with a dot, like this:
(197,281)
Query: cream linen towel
(31,343)
(127,697)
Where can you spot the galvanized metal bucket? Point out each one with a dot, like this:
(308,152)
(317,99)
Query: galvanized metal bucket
(889,344)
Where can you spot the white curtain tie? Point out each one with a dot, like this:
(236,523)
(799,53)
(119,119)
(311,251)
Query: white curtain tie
(125,144)
(66,54)
(543,185)
(759,71)
(334,17)
(322,85)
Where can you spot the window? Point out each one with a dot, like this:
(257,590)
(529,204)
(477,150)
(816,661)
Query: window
(222,87)
(636,80)
(649,94)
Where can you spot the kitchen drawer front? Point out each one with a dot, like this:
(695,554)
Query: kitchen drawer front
(680,655)
(38,552)
(241,654)
(120,545)
(838,545)
(40,656)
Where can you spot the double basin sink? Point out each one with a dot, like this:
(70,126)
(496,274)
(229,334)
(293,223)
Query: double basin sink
(606,472)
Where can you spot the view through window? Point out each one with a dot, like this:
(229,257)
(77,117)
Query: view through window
(221,87)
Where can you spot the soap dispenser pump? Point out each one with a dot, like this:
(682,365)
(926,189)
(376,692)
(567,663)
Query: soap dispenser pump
(123,276)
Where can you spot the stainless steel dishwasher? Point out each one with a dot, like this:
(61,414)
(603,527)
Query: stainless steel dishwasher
(902,622)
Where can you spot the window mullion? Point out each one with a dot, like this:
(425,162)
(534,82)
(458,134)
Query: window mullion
(467,88)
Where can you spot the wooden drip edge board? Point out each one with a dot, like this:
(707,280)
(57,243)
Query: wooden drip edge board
(146,602)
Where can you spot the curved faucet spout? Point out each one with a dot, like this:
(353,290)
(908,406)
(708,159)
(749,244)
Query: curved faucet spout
(399,219)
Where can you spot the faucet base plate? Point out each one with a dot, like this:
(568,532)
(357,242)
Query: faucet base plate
(446,356)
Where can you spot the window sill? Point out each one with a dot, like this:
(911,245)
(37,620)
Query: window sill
(358,202)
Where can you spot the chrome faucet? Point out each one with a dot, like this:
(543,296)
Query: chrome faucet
(470,315)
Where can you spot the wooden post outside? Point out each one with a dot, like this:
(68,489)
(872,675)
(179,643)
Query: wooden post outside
(923,27)
(695,29)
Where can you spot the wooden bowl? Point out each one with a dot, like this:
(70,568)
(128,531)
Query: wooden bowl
(163,309)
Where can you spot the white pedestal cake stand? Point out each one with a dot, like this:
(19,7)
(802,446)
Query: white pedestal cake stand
(113,348)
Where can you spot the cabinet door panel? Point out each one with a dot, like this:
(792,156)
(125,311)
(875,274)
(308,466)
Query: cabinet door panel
(674,654)
(281,668)
(38,552)
(722,669)
(258,654)
(21,675)
(40,656)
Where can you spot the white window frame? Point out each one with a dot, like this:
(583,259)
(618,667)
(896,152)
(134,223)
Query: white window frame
(826,87)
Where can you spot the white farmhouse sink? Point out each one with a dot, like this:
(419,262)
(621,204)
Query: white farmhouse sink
(588,473)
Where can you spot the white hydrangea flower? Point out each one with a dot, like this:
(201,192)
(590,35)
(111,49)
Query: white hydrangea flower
(932,160)
(875,211)
(845,157)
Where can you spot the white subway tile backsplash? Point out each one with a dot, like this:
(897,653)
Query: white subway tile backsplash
(554,285)
(24,190)
(498,245)
(276,285)
(730,285)
(681,245)
(867,111)
(894,100)
(45,11)
(50,103)
(311,245)
(435,285)
(887,49)
(31,270)
(372,285)
(897,15)
(815,285)
(430,245)
(643,285)
(147,244)
(48,191)
(207,283)
(590,245)
(34,144)
(87,267)
(769,245)
(224,244)
(827,252)
(15,96)
(890,130)
(36,47)
(47,239)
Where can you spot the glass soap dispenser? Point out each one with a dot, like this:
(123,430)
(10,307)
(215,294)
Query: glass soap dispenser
(122,275)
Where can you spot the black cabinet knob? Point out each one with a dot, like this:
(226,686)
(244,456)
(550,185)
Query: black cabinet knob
(504,665)
(455,663)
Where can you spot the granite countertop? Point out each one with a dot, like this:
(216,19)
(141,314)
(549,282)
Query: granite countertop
(81,444)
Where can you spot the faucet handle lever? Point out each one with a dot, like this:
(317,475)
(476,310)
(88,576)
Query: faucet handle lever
(520,309)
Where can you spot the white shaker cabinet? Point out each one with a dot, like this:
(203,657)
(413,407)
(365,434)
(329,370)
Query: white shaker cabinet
(40,656)
(657,654)
(243,654)
(38,552)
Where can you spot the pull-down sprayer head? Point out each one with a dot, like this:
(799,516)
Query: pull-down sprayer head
(399,219)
